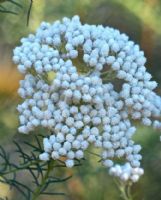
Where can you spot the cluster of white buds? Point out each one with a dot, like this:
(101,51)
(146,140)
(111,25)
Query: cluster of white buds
(126,172)
(66,89)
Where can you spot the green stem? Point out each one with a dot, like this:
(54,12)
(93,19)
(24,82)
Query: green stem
(125,190)
(95,154)
(129,191)
(123,193)
(24,167)
(43,181)
(20,168)
(105,73)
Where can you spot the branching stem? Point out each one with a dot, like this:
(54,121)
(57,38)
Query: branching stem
(43,182)
(125,190)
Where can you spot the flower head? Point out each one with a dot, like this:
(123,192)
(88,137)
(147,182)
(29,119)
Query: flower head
(68,70)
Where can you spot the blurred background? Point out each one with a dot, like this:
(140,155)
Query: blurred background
(141,20)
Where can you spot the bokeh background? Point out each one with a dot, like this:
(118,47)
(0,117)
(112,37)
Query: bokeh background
(141,20)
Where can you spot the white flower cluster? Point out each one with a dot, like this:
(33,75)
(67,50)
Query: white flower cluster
(126,171)
(78,105)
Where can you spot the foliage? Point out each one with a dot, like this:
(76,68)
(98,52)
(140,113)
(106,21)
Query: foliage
(3,9)
(42,173)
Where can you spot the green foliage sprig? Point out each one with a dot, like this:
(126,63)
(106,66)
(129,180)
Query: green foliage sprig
(3,9)
(42,174)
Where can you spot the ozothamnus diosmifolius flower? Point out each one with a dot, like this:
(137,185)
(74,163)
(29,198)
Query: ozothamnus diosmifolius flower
(70,87)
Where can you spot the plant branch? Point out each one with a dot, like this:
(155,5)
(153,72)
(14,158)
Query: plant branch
(125,189)
(29,12)
(43,182)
